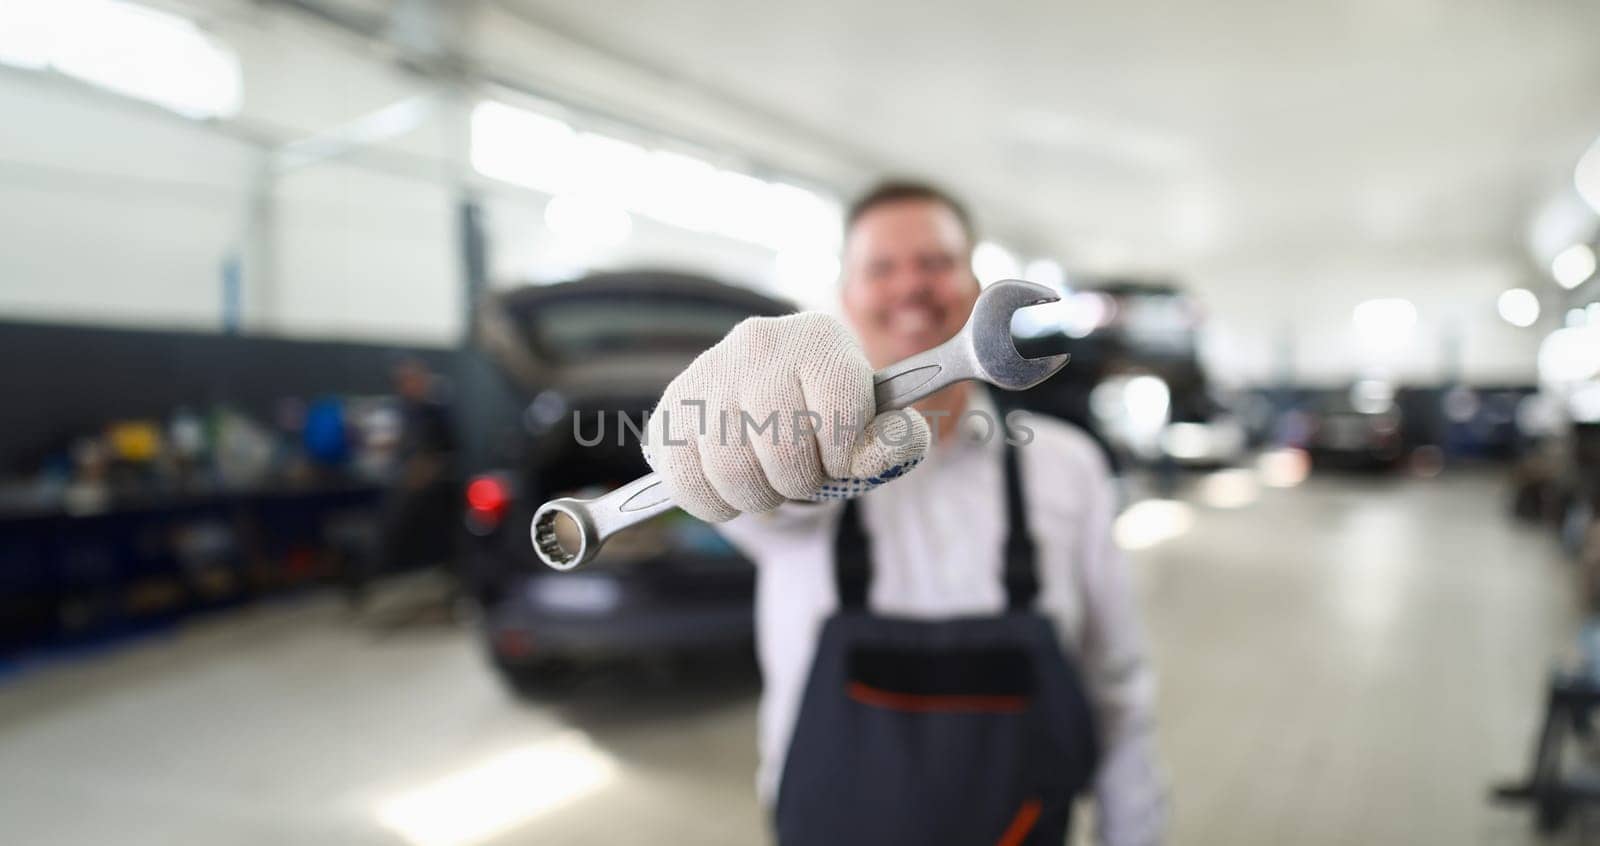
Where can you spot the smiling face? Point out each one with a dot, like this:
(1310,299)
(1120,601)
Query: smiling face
(908,283)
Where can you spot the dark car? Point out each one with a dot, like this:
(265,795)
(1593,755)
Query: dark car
(1359,428)
(1122,331)
(580,361)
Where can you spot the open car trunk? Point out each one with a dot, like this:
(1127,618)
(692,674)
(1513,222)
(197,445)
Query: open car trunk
(598,352)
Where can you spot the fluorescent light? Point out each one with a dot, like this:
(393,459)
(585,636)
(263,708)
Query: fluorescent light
(540,152)
(1519,307)
(133,50)
(545,154)
(587,222)
(521,147)
(674,191)
(1151,522)
(1573,266)
(992,263)
(801,218)
(746,208)
(605,167)
(497,795)
(28,32)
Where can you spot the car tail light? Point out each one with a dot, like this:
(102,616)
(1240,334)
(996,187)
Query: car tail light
(487,501)
(513,643)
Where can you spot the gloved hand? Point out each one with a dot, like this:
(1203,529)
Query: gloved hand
(774,412)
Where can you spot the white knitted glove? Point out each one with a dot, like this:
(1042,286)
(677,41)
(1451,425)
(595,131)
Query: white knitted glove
(775,412)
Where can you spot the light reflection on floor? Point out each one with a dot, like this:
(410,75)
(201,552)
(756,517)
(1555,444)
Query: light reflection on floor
(1235,488)
(489,798)
(1152,521)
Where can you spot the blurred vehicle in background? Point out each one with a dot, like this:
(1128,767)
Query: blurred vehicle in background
(1374,424)
(1558,484)
(1136,382)
(1359,427)
(1481,421)
(580,365)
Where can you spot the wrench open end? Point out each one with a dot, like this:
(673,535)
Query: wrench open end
(994,352)
(547,534)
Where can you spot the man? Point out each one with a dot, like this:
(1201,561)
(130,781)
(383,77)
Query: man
(952,657)
(418,523)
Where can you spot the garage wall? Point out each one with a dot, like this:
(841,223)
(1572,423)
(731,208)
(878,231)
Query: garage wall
(130,233)
(137,231)
(363,246)
(1292,319)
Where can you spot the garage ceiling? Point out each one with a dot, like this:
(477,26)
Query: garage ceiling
(1169,136)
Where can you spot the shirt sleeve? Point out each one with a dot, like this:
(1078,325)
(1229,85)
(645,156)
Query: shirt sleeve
(1130,791)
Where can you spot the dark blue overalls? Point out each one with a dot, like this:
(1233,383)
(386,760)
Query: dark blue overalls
(966,731)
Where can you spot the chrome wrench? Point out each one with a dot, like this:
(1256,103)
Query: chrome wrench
(982,350)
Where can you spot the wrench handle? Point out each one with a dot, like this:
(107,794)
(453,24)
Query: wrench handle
(908,380)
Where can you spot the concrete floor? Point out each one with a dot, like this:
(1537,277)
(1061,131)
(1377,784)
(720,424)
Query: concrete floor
(1346,662)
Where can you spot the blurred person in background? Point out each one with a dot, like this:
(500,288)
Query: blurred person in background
(427,436)
(419,511)
(951,658)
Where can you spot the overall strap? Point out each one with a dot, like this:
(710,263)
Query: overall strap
(852,551)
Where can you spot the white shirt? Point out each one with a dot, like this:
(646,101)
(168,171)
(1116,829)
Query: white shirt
(937,551)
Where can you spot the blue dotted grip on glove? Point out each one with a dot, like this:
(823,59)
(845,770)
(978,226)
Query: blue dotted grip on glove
(852,488)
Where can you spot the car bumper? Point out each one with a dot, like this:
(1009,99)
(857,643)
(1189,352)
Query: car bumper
(581,615)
